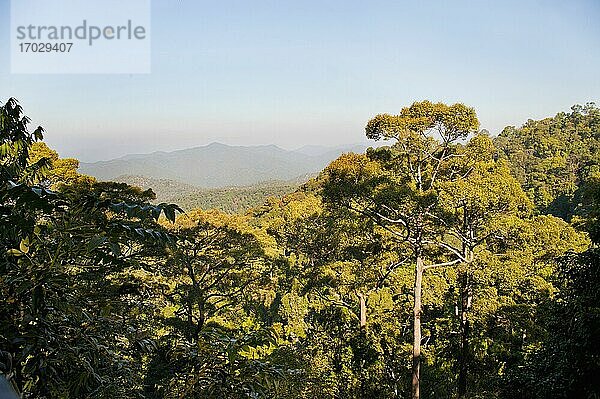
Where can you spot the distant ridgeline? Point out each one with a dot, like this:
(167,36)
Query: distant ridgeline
(218,165)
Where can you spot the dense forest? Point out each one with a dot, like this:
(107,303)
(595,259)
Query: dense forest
(233,199)
(445,264)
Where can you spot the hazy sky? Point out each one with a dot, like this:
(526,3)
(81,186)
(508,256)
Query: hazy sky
(313,72)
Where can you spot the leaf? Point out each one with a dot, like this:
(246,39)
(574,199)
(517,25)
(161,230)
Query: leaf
(14,252)
(115,249)
(169,213)
(39,133)
(155,212)
(95,242)
(24,245)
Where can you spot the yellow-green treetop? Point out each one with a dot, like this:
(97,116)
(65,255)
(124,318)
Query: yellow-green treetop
(60,170)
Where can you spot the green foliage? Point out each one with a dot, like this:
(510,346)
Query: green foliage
(449,122)
(59,172)
(587,211)
(66,329)
(228,199)
(107,294)
(566,363)
(554,156)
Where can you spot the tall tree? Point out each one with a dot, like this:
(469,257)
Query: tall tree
(397,187)
(474,207)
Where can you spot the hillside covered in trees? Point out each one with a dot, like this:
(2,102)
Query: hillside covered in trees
(233,199)
(444,264)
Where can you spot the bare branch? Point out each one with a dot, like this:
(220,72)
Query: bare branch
(449,247)
(393,266)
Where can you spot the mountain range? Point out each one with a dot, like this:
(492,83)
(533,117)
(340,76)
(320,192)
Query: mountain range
(218,165)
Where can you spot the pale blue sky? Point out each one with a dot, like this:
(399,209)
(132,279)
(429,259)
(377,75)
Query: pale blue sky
(313,72)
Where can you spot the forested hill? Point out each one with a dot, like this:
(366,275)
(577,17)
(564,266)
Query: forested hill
(226,199)
(555,158)
(220,165)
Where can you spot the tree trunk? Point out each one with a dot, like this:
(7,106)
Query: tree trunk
(363,310)
(416,366)
(466,299)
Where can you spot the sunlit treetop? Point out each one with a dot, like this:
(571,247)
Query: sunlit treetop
(446,122)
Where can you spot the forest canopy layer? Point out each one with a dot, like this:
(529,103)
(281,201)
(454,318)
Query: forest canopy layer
(443,264)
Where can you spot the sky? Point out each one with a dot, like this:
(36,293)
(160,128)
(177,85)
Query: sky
(293,73)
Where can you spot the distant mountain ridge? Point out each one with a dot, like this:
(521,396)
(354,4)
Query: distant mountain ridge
(219,165)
